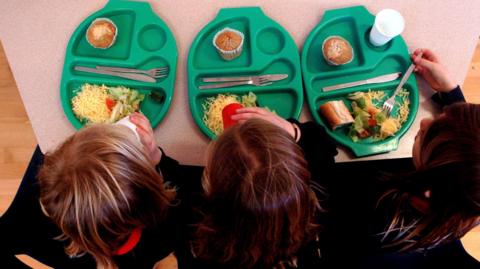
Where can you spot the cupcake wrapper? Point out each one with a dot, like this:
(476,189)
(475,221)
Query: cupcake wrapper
(229,54)
(114,37)
(323,50)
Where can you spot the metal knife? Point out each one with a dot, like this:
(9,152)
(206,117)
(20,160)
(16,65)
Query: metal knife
(138,77)
(271,77)
(379,79)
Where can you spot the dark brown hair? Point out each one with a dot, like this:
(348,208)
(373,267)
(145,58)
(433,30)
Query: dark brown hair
(99,186)
(260,207)
(450,169)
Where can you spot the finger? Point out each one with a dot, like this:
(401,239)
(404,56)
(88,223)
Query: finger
(241,121)
(145,137)
(258,110)
(429,55)
(135,114)
(139,125)
(138,117)
(141,121)
(245,116)
(416,52)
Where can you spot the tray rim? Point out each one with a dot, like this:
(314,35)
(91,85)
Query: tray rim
(359,150)
(295,84)
(172,58)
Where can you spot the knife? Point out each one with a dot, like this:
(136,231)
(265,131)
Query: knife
(379,79)
(271,77)
(138,77)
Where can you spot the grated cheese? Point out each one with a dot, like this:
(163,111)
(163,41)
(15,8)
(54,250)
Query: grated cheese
(213,107)
(404,108)
(375,95)
(89,104)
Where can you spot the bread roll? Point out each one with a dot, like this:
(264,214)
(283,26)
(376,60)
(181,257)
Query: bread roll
(336,113)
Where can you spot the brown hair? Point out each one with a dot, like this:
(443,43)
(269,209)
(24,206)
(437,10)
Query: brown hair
(98,186)
(260,208)
(450,169)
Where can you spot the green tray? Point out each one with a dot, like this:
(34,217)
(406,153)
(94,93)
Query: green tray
(267,49)
(354,24)
(144,41)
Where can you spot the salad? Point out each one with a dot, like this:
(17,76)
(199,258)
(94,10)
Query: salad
(370,120)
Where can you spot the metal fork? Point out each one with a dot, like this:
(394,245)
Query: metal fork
(257,81)
(154,72)
(390,102)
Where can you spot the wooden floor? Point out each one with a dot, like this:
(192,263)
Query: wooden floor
(17,142)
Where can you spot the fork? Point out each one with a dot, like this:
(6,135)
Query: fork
(390,102)
(154,72)
(257,81)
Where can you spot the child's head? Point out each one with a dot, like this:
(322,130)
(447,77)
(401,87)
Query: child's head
(260,206)
(98,187)
(447,157)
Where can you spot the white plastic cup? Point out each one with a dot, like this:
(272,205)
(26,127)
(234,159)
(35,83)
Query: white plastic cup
(388,24)
(126,122)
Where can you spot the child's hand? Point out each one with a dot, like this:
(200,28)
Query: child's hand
(244,114)
(433,71)
(145,131)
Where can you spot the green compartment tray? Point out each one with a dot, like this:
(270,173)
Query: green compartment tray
(143,41)
(267,49)
(354,24)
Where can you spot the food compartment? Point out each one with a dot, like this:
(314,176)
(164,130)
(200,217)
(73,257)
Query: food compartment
(344,27)
(389,64)
(153,62)
(150,106)
(280,66)
(341,134)
(206,55)
(124,21)
(284,102)
(270,41)
(152,38)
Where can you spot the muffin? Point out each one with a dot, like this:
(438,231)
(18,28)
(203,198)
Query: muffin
(101,33)
(229,43)
(337,51)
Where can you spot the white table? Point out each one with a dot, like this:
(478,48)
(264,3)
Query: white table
(35,33)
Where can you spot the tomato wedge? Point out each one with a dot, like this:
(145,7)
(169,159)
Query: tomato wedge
(372,122)
(110,103)
(364,134)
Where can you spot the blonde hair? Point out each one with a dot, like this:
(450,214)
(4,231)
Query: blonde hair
(98,186)
(261,209)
